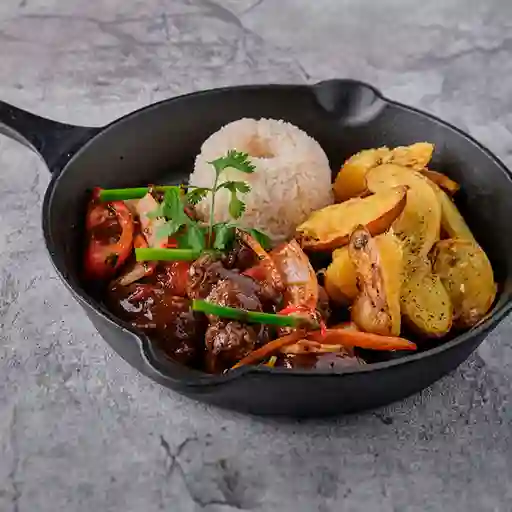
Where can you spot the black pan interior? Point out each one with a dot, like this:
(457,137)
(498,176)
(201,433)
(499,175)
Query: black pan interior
(158,145)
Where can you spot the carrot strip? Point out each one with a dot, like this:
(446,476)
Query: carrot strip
(360,339)
(271,347)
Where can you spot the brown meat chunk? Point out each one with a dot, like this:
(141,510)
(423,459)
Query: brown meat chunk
(236,294)
(203,275)
(240,257)
(227,342)
(207,271)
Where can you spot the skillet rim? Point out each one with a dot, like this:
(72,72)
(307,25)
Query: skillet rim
(502,307)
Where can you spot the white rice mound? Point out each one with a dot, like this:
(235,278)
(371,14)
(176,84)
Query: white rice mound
(292,176)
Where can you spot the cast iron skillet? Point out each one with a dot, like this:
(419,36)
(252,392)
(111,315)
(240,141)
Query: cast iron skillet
(158,144)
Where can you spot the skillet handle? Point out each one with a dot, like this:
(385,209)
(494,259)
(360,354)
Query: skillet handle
(350,102)
(55,142)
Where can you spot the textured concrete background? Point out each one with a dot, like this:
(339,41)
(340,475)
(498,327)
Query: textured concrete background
(79,429)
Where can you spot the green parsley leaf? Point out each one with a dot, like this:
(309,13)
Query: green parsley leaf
(157,212)
(173,207)
(165,231)
(195,237)
(236,207)
(235,159)
(196,195)
(224,236)
(240,186)
(260,237)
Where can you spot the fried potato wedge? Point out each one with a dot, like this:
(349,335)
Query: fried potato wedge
(453,224)
(416,156)
(378,265)
(350,181)
(418,227)
(331,227)
(466,273)
(441,180)
(425,304)
(340,279)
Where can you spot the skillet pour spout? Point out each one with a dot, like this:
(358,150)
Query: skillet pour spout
(159,143)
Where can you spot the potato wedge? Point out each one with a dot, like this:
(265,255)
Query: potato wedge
(331,227)
(378,265)
(350,181)
(425,303)
(418,226)
(340,280)
(453,224)
(340,276)
(442,181)
(467,275)
(416,156)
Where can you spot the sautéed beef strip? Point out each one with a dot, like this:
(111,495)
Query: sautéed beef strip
(228,341)
(203,275)
(240,257)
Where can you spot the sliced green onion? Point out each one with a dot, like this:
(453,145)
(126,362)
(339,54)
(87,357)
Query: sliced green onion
(162,254)
(124,194)
(243,315)
(271,362)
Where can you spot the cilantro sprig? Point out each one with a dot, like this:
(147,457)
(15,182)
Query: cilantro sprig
(241,162)
(210,235)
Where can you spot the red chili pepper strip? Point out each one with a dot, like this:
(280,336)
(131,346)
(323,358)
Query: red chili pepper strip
(323,328)
(288,310)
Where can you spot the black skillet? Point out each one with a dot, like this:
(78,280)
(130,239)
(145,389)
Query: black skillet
(158,143)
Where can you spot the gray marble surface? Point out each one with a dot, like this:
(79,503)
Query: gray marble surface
(82,431)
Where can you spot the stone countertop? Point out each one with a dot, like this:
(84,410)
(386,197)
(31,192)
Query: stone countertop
(79,429)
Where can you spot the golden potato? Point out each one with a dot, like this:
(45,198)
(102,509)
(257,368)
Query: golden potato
(442,181)
(378,265)
(453,224)
(418,226)
(331,227)
(425,304)
(350,181)
(467,275)
(416,156)
(340,278)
